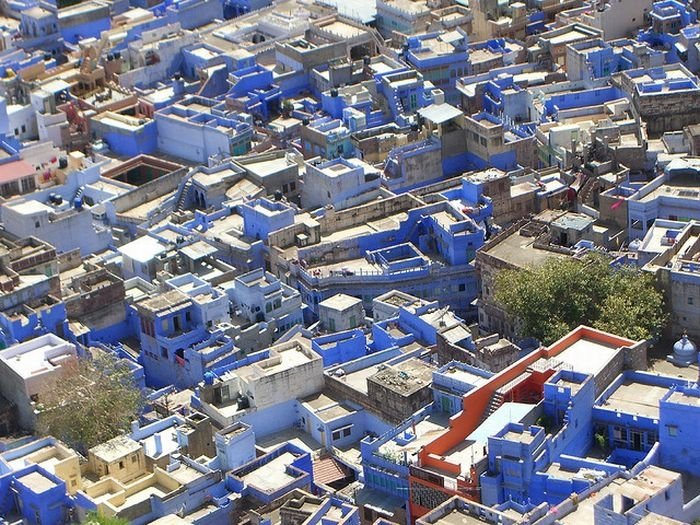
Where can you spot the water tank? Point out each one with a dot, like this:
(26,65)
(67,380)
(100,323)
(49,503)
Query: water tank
(63,163)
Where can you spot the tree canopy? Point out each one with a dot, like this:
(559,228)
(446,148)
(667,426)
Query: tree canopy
(549,301)
(94,401)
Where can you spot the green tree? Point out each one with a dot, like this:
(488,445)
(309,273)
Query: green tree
(96,518)
(549,301)
(287,107)
(94,401)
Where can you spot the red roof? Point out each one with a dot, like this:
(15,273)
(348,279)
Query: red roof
(15,170)
(328,470)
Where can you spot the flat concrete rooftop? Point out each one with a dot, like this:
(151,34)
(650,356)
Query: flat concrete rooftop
(519,251)
(637,398)
(272,475)
(587,355)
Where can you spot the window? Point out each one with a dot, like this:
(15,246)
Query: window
(672,430)
(121,464)
(37,224)
(268,307)
(346,431)
(163,352)
(462,287)
(188,316)
(335,435)
(134,458)
(292,186)
(16,131)
(164,324)
(24,128)
(690,300)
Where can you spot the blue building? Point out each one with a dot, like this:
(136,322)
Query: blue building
(677,425)
(86,20)
(326,137)
(403,256)
(386,457)
(263,216)
(405,92)
(253,90)
(451,381)
(197,128)
(687,47)
(260,297)
(178,331)
(193,13)
(234,8)
(31,319)
(33,495)
(39,29)
(519,456)
(668,18)
(662,198)
(412,165)
(340,347)
(599,59)
(441,58)
(340,182)
(286,468)
(337,423)
(126,135)
(235,446)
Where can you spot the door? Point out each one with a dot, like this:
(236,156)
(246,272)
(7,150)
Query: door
(636,441)
(446,405)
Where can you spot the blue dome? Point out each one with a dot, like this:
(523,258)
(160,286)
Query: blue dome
(684,347)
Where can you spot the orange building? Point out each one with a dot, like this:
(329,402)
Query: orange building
(449,465)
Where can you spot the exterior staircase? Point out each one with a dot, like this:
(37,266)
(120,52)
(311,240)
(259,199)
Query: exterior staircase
(182,199)
(496,401)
